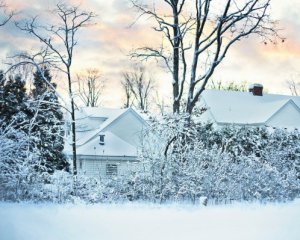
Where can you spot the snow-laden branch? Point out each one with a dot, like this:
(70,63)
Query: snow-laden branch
(205,30)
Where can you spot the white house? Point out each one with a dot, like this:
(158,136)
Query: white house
(107,140)
(251,108)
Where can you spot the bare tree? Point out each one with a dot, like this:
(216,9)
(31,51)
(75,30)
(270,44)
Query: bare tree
(160,103)
(228,86)
(138,87)
(294,87)
(6,16)
(59,41)
(90,87)
(205,30)
(128,94)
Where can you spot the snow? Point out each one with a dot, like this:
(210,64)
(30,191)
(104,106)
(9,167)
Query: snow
(99,112)
(114,146)
(110,114)
(90,122)
(153,222)
(243,107)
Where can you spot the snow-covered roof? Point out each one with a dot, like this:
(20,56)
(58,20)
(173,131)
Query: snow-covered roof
(114,146)
(91,118)
(245,108)
(90,122)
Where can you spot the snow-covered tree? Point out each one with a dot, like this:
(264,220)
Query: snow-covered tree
(205,30)
(221,165)
(59,41)
(47,123)
(18,163)
(13,98)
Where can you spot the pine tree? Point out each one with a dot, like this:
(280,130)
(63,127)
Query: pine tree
(14,120)
(48,123)
(13,101)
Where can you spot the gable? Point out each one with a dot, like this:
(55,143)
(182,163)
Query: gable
(288,117)
(128,127)
(114,146)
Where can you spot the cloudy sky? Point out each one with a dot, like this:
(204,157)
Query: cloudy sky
(106,46)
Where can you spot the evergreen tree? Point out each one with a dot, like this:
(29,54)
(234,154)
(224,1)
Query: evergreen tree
(14,122)
(13,101)
(48,123)
(40,85)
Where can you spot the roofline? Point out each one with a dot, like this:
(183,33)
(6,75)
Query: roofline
(100,129)
(265,94)
(208,108)
(121,115)
(125,112)
(116,119)
(290,101)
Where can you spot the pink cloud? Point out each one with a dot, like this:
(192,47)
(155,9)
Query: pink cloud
(107,44)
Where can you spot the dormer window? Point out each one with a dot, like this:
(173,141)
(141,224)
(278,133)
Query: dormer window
(101,138)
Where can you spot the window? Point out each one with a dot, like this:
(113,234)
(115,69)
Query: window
(101,136)
(111,170)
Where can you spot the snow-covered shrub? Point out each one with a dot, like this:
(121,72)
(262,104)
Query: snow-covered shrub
(17,164)
(186,161)
(178,162)
(23,174)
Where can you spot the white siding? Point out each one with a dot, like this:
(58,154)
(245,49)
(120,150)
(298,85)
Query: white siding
(287,117)
(96,167)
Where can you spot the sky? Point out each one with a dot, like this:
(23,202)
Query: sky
(107,43)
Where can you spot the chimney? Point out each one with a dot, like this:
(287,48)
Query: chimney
(256,89)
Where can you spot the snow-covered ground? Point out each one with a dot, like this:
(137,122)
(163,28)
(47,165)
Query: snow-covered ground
(154,222)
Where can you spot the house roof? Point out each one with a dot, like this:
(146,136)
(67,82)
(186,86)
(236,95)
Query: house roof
(114,146)
(90,118)
(243,107)
(90,122)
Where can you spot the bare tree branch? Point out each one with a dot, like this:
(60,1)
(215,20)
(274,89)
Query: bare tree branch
(7,15)
(174,28)
(38,60)
(90,87)
(215,27)
(60,40)
(138,88)
(294,87)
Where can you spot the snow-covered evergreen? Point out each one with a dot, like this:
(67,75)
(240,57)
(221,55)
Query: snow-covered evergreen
(18,161)
(31,141)
(47,123)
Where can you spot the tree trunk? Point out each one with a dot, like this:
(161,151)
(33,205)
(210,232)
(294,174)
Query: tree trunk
(73,125)
(176,43)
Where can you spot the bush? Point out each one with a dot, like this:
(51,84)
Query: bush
(178,162)
(184,162)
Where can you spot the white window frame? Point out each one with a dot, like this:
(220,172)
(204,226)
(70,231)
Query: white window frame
(111,169)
